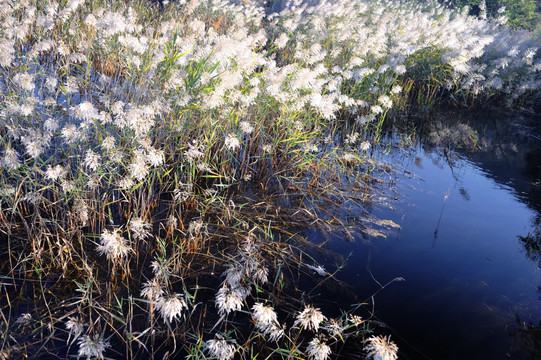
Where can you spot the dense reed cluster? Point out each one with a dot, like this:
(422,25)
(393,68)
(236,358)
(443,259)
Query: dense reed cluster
(155,160)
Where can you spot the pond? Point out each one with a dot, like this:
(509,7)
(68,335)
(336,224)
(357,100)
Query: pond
(468,211)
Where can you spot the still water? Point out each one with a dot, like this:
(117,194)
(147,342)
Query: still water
(472,278)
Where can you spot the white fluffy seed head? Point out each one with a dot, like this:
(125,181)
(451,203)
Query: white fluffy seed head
(318,350)
(220,349)
(309,318)
(113,245)
(229,299)
(171,307)
(381,348)
(92,347)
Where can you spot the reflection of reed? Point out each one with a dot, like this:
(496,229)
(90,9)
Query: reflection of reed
(527,339)
(532,246)
(439,219)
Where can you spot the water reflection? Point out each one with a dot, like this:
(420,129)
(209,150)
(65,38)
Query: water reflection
(532,246)
(527,340)
(469,205)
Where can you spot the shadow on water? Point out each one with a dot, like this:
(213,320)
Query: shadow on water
(466,193)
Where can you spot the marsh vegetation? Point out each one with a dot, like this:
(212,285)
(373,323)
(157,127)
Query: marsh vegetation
(157,161)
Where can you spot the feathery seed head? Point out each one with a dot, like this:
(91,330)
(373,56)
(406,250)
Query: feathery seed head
(139,228)
(381,348)
(309,318)
(92,348)
(220,349)
(266,321)
(263,315)
(113,245)
(355,320)
(231,142)
(171,307)
(75,326)
(153,289)
(92,160)
(246,127)
(11,159)
(229,299)
(24,80)
(318,350)
(365,145)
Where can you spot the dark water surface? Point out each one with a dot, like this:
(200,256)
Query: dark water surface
(472,280)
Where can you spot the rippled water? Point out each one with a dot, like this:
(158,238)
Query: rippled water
(472,284)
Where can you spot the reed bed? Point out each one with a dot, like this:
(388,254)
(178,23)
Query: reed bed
(158,159)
